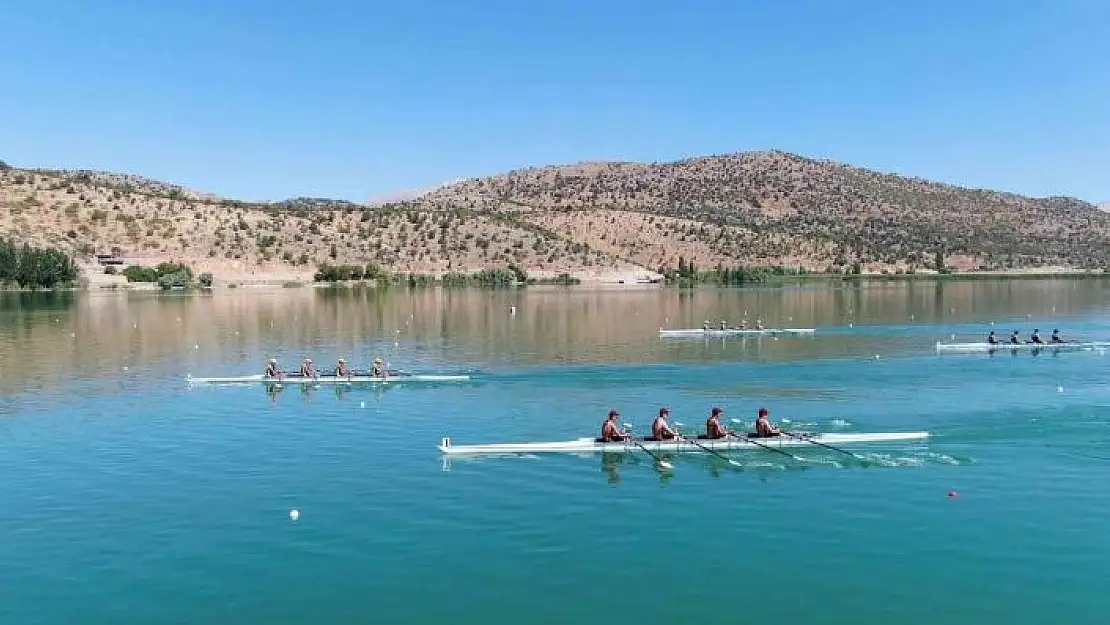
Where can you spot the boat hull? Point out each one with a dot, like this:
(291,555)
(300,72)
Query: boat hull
(988,347)
(592,445)
(329,379)
(701,332)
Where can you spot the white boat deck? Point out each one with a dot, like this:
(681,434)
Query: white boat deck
(587,445)
(988,347)
(329,379)
(700,332)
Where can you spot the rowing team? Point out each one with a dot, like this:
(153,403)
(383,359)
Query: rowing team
(1034,338)
(724,325)
(662,429)
(342,369)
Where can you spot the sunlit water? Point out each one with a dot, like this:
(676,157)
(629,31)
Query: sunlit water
(130,497)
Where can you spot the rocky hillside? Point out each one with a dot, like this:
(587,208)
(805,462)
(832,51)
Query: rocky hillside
(765,208)
(779,208)
(87,213)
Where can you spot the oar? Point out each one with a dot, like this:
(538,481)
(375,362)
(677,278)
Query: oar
(810,440)
(706,449)
(767,447)
(663,463)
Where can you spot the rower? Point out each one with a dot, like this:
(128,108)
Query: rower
(724,324)
(758,324)
(1055,338)
(342,369)
(713,427)
(763,427)
(378,369)
(1036,337)
(272,369)
(744,323)
(705,325)
(992,339)
(1014,340)
(660,429)
(610,431)
(307,368)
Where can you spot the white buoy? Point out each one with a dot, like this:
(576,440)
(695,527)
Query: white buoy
(1059,389)
(197,346)
(294,514)
(912,317)
(512,310)
(72,335)
(851,325)
(951,337)
(876,356)
(361,404)
(125,367)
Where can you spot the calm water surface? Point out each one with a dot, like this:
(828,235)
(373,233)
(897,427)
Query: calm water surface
(129,497)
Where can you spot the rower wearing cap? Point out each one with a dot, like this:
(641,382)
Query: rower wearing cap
(763,427)
(713,427)
(1036,337)
(1055,338)
(378,368)
(992,339)
(1014,340)
(724,324)
(308,370)
(272,369)
(660,429)
(705,325)
(342,369)
(610,431)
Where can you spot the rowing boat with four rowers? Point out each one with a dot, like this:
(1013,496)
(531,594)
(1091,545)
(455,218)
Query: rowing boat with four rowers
(666,439)
(1014,342)
(342,373)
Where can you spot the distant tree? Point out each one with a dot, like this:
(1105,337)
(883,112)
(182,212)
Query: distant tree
(4,166)
(939,262)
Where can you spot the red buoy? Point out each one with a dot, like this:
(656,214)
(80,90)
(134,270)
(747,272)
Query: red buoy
(952,494)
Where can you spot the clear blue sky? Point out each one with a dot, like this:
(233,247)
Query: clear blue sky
(269,99)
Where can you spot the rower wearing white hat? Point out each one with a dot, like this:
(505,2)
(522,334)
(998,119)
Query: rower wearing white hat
(272,369)
(307,369)
(342,369)
(378,369)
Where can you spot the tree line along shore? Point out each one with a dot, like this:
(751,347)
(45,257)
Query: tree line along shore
(29,267)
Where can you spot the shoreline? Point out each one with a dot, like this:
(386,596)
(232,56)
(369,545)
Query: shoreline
(614,280)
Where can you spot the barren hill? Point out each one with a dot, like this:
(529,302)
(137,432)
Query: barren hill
(780,208)
(763,208)
(89,213)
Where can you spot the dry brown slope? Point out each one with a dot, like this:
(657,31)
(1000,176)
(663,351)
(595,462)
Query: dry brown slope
(90,212)
(836,211)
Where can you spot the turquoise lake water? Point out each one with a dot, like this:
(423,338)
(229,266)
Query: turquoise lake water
(130,497)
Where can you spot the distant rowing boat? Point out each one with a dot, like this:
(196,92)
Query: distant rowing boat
(331,379)
(593,445)
(696,332)
(988,347)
